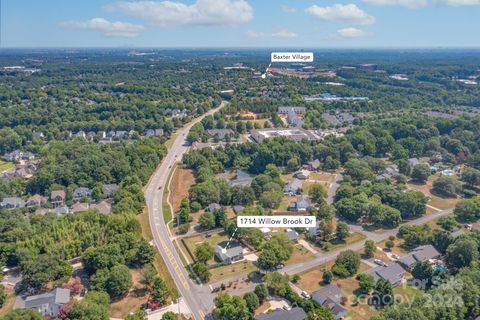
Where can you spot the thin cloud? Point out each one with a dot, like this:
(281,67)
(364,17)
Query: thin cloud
(277,34)
(201,13)
(288,9)
(348,13)
(351,33)
(107,28)
(402,3)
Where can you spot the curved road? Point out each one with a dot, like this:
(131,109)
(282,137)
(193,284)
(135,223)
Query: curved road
(197,297)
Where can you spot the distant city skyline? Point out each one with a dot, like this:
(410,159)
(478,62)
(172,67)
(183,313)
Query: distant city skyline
(241,23)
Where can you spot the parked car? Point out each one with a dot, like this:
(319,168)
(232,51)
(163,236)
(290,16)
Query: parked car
(287,307)
(395,256)
(305,295)
(279,266)
(380,262)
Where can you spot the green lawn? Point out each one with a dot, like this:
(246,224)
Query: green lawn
(352,238)
(6,165)
(192,242)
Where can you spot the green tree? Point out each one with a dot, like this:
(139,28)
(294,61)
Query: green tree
(462,252)
(119,281)
(271,199)
(160,291)
(145,253)
(138,315)
(23,314)
(342,231)
(366,282)
(421,172)
(370,248)
(348,260)
(471,177)
(3,296)
(204,252)
(423,271)
(317,192)
(252,301)
(169,315)
(261,292)
(230,308)
(468,210)
(383,293)
(201,270)
(207,221)
(327,277)
(94,307)
(447,186)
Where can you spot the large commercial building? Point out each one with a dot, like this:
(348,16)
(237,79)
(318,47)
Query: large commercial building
(295,134)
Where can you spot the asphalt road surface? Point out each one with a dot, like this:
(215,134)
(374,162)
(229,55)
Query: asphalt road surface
(198,297)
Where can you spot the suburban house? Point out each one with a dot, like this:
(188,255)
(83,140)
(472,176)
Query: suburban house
(281,314)
(312,165)
(57,198)
(287,110)
(302,204)
(103,207)
(12,203)
(60,211)
(393,273)
(302,174)
(294,120)
(413,161)
(419,254)
(48,304)
(109,189)
(390,172)
(229,255)
(241,179)
(292,235)
(330,297)
(18,155)
(212,207)
(220,133)
(80,207)
(80,193)
(238,209)
(36,201)
(293,187)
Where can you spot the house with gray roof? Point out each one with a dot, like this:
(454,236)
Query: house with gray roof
(330,297)
(293,187)
(419,254)
(296,110)
(393,273)
(238,209)
(220,133)
(212,207)
(302,174)
(295,313)
(12,203)
(229,255)
(109,189)
(80,193)
(48,304)
(242,178)
(312,165)
(302,204)
(292,235)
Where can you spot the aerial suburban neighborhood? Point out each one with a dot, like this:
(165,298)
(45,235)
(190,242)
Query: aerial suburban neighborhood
(239,160)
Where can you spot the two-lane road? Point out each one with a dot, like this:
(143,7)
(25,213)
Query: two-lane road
(189,290)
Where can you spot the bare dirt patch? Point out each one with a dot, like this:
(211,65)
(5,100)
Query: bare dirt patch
(182,180)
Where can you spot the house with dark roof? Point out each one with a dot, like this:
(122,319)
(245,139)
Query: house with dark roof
(238,209)
(80,193)
(419,254)
(295,313)
(390,171)
(229,255)
(302,174)
(48,304)
(109,189)
(293,187)
(212,207)
(330,297)
(220,133)
(241,179)
(12,203)
(292,235)
(393,273)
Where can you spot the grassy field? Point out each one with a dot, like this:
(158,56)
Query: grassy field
(300,254)
(5,165)
(337,245)
(227,271)
(136,297)
(181,182)
(192,242)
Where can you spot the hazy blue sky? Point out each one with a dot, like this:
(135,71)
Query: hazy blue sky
(225,23)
